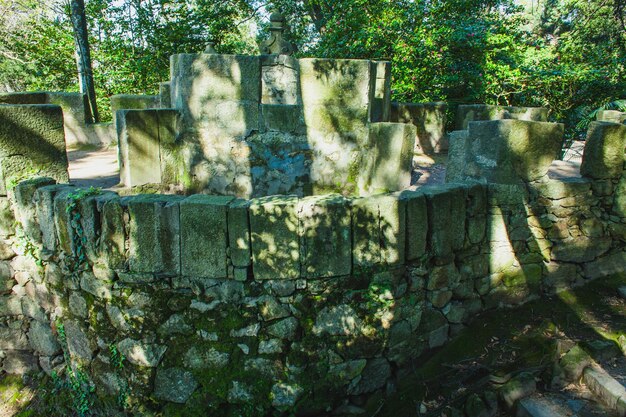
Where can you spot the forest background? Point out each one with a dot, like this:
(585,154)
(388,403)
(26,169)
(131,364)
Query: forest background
(567,55)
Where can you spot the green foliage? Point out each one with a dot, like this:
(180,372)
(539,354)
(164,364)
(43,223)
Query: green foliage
(78,237)
(567,55)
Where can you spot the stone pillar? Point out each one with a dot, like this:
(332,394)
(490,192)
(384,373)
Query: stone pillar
(32,143)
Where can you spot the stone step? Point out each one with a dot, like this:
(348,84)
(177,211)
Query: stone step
(607,389)
(542,405)
(563,404)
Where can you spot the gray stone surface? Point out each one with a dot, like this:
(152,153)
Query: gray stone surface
(604,150)
(204,236)
(274,228)
(510,151)
(467,113)
(32,143)
(141,353)
(139,148)
(174,385)
(42,340)
(154,233)
(430,121)
(388,158)
(325,236)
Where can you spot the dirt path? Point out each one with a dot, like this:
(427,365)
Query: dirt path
(97,167)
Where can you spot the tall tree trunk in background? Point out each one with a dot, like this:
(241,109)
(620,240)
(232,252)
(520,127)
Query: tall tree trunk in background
(83,56)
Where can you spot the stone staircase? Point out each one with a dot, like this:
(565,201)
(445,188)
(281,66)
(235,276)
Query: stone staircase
(587,381)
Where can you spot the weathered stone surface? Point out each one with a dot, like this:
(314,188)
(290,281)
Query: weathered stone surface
(430,121)
(7,222)
(507,151)
(374,376)
(204,240)
(604,266)
(32,143)
(446,219)
(138,136)
(517,388)
(339,320)
(154,233)
(94,286)
(457,155)
(388,161)
(13,339)
(44,201)
(604,150)
(196,358)
(284,329)
(19,363)
(580,249)
(112,231)
(141,353)
(239,233)
(284,396)
(42,340)
(79,345)
(379,231)
(416,224)
(467,113)
(274,228)
(325,236)
(174,384)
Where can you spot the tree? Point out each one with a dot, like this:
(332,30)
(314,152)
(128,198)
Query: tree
(83,56)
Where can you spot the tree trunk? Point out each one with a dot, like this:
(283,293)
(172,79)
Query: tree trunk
(83,57)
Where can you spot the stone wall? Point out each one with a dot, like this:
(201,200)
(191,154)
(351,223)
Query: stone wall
(614,116)
(32,143)
(76,115)
(466,113)
(430,121)
(250,126)
(309,305)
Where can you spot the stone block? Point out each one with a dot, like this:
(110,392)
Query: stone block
(430,121)
(154,233)
(381,102)
(613,116)
(342,82)
(507,151)
(90,222)
(379,231)
(619,198)
(239,233)
(112,231)
(133,102)
(139,148)
(170,154)
(605,266)
(24,97)
(32,143)
(283,117)
(467,113)
(165,95)
(7,218)
(325,236)
(275,237)
(44,202)
(604,150)
(76,113)
(388,161)
(458,142)
(24,205)
(198,79)
(446,219)
(416,224)
(204,237)
(279,80)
